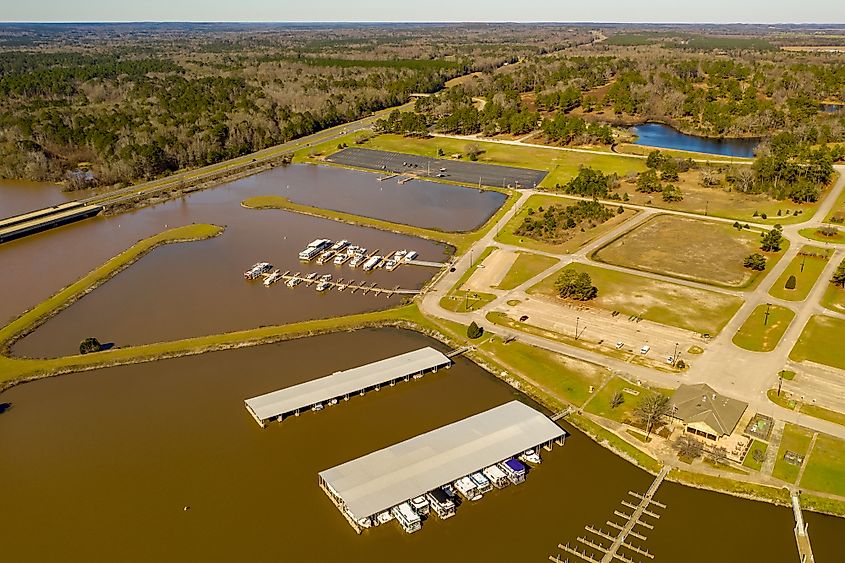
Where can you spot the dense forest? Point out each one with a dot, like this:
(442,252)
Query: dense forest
(111,104)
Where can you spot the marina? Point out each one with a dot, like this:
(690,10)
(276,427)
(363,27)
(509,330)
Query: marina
(392,477)
(342,385)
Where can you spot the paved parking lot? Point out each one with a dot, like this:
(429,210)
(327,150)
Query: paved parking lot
(452,170)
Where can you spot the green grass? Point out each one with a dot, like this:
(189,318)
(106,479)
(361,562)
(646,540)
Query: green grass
(814,234)
(562,165)
(507,234)
(461,301)
(614,443)
(763,492)
(825,470)
(834,297)
(525,267)
(838,208)
(723,466)
(655,300)
(821,341)
(101,274)
(600,403)
(787,401)
(805,276)
(758,337)
(566,378)
(795,439)
(826,505)
(749,460)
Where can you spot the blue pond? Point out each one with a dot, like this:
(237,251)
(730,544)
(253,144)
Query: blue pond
(665,137)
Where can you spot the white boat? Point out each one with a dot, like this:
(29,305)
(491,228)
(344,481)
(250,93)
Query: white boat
(317,407)
(257,269)
(365,522)
(325,256)
(293,282)
(410,255)
(323,286)
(356,260)
(449,490)
(407,518)
(272,278)
(311,276)
(326,277)
(342,258)
(372,263)
(420,505)
(514,469)
(340,245)
(384,517)
(441,503)
(496,476)
(530,456)
(390,265)
(314,248)
(467,488)
(481,481)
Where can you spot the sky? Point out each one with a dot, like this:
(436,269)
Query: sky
(657,11)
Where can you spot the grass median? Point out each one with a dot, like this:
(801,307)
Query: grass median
(806,267)
(821,342)
(764,328)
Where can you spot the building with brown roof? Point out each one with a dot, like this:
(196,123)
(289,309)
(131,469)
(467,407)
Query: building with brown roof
(704,412)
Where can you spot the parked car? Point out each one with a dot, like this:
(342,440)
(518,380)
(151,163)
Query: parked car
(645,349)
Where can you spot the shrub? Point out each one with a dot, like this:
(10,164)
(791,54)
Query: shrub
(89,345)
(755,262)
(575,285)
(474,331)
(791,282)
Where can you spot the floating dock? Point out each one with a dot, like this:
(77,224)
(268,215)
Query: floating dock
(343,384)
(376,482)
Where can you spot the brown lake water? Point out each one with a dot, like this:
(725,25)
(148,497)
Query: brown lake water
(99,465)
(20,196)
(418,203)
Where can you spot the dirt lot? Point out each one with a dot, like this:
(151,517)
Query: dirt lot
(685,248)
(491,271)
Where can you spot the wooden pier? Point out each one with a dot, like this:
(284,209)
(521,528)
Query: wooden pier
(353,286)
(619,539)
(802,538)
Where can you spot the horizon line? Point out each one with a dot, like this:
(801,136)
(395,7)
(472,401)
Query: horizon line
(527,22)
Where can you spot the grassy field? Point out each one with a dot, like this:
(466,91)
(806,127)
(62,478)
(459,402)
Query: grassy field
(806,269)
(749,460)
(825,470)
(562,165)
(461,301)
(821,341)
(507,234)
(600,404)
(756,336)
(662,302)
(565,377)
(838,209)
(718,202)
(834,297)
(691,249)
(526,266)
(814,234)
(795,439)
(788,401)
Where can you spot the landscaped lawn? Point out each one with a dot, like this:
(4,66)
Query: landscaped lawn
(662,302)
(632,394)
(506,234)
(561,165)
(761,334)
(526,266)
(464,301)
(825,470)
(821,341)
(564,377)
(691,249)
(749,461)
(834,297)
(806,267)
(795,439)
(815,234)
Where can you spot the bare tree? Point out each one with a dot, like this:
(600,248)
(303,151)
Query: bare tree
(651,409)
(689,447)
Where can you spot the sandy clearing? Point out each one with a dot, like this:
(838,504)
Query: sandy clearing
(491,271)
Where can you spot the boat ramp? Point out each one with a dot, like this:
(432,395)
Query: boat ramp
(478,450)
(329,390)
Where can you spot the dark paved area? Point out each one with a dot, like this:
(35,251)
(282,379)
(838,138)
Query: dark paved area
(452,170)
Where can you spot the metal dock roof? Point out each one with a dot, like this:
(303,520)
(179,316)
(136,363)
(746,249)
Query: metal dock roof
(345,382)
(387,477)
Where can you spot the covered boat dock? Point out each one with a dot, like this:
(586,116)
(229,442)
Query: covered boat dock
(342,384)
(376,482)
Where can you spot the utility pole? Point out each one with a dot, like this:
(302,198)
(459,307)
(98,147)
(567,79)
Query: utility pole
(766,318)
(780,381)
(706,207)
(576,327)
(803,257)
(675,355)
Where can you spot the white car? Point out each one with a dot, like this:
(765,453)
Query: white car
(645,349)
(670,360)
(619,345)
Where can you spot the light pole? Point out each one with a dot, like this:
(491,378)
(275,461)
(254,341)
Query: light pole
(576,327)
(780,381)
(766,318)
(675,355)
(804,257)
